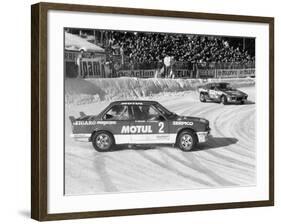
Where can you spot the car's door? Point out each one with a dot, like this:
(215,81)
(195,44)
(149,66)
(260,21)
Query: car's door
(212,92)
(148,125)
(117,121)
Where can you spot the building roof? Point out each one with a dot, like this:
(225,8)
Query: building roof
(76,43)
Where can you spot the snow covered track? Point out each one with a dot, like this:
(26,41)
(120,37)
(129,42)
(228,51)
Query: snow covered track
(227,159)
(84,91)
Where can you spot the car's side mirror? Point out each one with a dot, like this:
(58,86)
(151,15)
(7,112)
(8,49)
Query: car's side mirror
(161,118)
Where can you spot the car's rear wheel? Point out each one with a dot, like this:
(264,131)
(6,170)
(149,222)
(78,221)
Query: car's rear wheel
(103,141)
(223,100)
(202,97)
(186,140)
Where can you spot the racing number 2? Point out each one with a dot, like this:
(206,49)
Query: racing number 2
(161,127)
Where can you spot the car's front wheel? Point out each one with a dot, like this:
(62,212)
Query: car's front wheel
(186,140)
(103,141)
(202,97)
(223,100)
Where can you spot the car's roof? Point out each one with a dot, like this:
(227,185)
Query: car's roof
(133,102)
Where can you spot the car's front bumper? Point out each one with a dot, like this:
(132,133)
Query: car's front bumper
(236,99)
(203,136)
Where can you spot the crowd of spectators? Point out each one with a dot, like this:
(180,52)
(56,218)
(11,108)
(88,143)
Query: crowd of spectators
(140,47)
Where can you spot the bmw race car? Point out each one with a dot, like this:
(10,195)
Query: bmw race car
(221,92)
(139,122)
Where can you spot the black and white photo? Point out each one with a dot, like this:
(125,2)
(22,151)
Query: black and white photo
(158,111)
(141,111)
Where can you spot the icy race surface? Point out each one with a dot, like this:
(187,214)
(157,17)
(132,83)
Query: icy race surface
(227,159)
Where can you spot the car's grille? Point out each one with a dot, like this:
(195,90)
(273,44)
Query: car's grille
(207,126)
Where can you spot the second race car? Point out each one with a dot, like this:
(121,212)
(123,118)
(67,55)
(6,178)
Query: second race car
(221,92)
(139,122)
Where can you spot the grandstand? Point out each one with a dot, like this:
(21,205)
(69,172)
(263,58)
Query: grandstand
(126,50)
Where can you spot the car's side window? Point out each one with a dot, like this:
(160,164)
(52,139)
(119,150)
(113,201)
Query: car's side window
(145,112)
(137,113)
(117,112)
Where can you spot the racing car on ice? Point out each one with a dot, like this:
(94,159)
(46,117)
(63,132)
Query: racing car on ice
(139,122)
(221,92)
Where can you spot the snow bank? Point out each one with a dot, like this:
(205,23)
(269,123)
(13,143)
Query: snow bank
(83,91)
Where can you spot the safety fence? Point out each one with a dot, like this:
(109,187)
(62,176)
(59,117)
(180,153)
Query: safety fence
(187,65)
(100,68)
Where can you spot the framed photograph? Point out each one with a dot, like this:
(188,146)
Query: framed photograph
(139,111)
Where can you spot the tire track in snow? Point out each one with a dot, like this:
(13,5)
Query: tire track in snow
(227,159)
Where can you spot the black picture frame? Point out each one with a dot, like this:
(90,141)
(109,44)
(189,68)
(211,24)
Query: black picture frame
(39,106)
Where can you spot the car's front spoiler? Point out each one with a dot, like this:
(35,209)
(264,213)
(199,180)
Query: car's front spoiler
(236,100)
(202,136)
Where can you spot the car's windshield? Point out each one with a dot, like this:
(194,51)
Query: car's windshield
(164,111)
(225,86)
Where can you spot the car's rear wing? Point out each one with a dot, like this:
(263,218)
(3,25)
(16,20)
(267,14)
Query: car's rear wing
(82,114)
(73,119)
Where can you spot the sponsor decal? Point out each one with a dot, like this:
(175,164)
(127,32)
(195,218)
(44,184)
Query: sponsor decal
(234,73)
(106,122)
(225,73)
(162,136)
(206,73)
(127,129)
(70,56)
(190,123)
(131,103)
(148,73)
(92,67)
(93,122)
(183,73)
(84,123)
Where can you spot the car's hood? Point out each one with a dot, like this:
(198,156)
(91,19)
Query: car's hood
(188,118)
(234,93)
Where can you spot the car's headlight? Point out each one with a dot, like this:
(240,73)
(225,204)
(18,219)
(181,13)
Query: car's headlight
(204,120)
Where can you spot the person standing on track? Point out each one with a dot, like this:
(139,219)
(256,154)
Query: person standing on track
(79,63)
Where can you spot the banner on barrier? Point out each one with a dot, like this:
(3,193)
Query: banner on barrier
(70,56)
(95,68)
(183,73)
(91,68)
(225,73)
(234,73)
(148,73)
(206,73)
